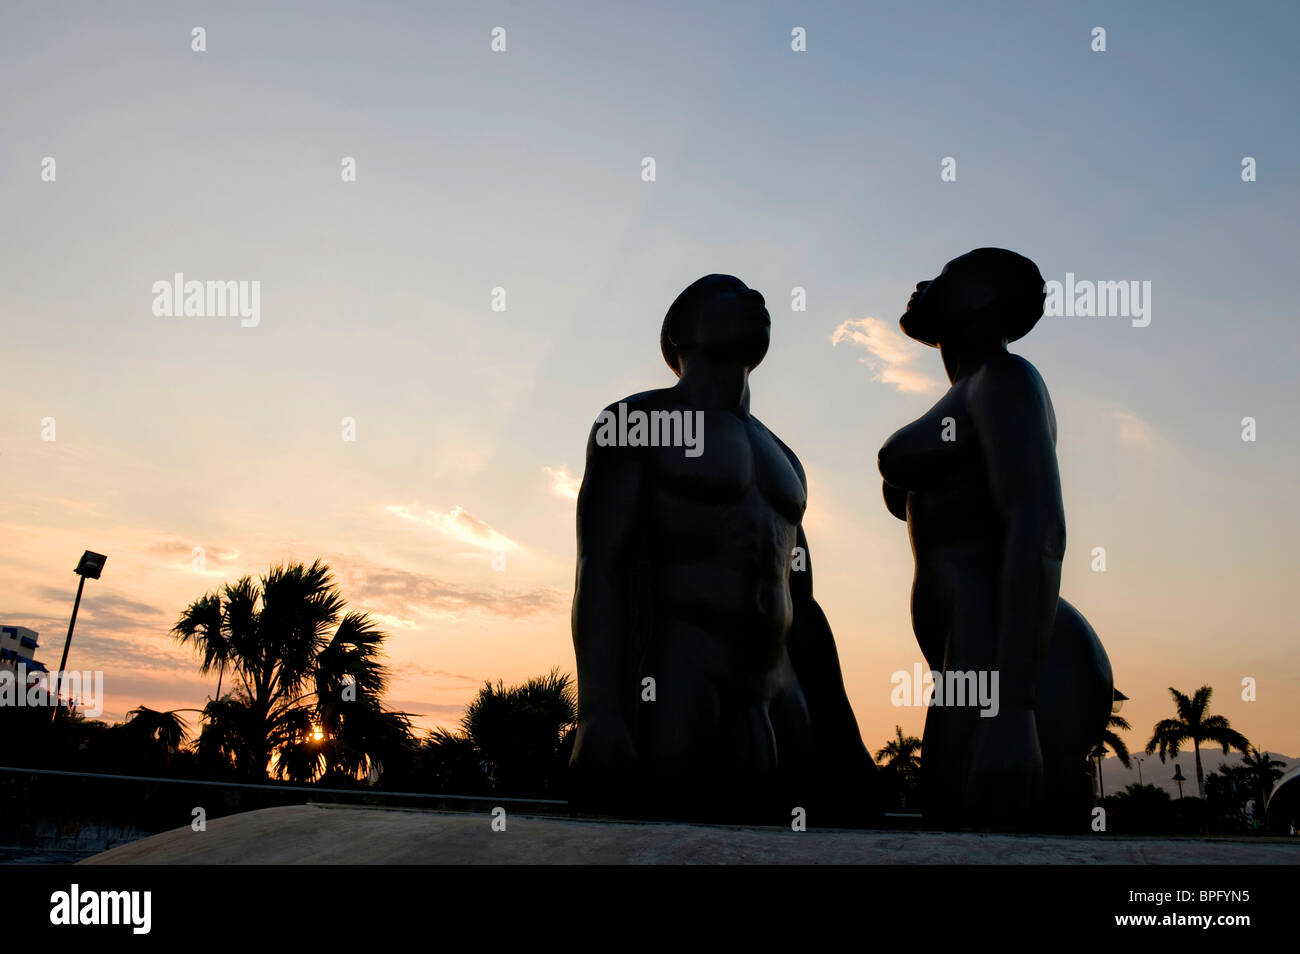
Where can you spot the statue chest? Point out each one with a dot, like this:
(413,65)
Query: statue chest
(737,461)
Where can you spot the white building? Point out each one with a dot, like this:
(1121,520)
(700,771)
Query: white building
(18,646)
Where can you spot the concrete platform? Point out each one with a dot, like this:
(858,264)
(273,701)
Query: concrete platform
(328,834)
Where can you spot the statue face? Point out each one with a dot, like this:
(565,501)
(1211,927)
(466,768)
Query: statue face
(731,324)
(944,307)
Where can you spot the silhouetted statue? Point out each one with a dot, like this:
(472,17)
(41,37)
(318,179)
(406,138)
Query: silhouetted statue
(708,682)
(976,480)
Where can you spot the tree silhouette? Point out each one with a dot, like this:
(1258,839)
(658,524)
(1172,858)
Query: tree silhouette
(166,730)
(202,624)
(1226,794)
(448,761)
(308,679)
(523,732)
(901,758)
(1192,723)
(1140,808)
(1112,741)
(1261,772)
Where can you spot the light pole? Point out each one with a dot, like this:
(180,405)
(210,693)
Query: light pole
(90,565)
(1138,759)
(1179,777)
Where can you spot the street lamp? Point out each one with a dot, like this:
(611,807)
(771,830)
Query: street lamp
(1117,702)
(1138,759)
(1179,777)
(90,566)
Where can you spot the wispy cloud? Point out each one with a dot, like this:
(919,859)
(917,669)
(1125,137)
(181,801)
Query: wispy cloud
(890,355)
(402,596)
(438,710)
(563,483)
(109,611)
(430,672)
(1134,430)
(460,525)
(113,633)
(182,554)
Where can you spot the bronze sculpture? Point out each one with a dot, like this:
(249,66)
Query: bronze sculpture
(976,480)
(708,680)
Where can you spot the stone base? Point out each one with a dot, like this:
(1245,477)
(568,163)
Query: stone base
(328,834)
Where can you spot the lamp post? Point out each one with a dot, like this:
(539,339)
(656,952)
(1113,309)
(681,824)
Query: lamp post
(1138,759)
(1179,777)
(90,566)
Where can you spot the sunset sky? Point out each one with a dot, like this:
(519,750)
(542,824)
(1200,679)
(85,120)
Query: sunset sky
(522,169)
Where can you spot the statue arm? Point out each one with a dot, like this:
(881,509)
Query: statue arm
(1012,415)
(608,502)
(815,659)
(812,650)
(843,770)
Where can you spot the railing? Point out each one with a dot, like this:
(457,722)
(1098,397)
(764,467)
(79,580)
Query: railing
(313,789)
(61,815)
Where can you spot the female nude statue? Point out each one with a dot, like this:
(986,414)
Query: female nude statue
(976,480)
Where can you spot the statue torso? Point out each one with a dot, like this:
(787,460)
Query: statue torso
(721,528)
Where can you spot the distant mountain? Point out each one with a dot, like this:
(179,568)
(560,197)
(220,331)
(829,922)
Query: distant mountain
(1115,777)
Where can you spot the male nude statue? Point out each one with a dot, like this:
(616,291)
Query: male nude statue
(708,682)
(976,480)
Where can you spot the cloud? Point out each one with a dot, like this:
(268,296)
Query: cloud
(563,483)
(80,506)
(1134,430)
(429,672)
(460,525)
(889,354)
(426,709)
(183,552)
(113,633)
(106,610)
(400,595)
(391,623)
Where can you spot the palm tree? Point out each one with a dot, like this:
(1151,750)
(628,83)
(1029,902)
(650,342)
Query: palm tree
(202,624)
(1226,793)
(1262,770)
(147,741)
(1112,741)
(340,742)
(1193,723)
(305,674)
(903,753)
(167,729)
(522,732)
(450,762)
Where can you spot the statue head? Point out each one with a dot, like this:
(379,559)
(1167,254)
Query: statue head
(984,296)
(718,317)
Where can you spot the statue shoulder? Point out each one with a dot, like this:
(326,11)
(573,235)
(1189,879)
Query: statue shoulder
(607,423)
(785,448)
(1008,394)
(1008,377)
(653,399)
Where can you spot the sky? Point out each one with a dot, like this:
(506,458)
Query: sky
(523,170)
